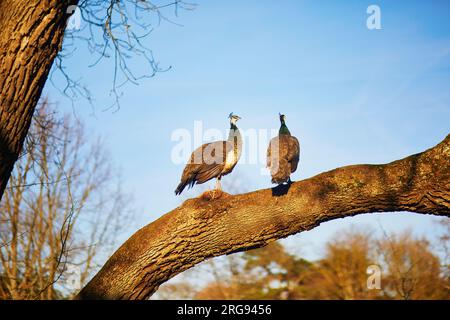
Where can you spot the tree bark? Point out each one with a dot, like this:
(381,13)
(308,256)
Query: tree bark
(31,34)
(201,228)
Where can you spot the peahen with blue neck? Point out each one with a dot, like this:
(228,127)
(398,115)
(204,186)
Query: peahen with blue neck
(213,160)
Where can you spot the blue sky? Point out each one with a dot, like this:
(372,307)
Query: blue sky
(351,95)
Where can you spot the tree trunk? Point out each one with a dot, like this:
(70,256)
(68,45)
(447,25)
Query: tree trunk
(31,33)
(201,228)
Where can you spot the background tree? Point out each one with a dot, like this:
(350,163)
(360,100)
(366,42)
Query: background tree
(343,270)
(265,273)
(413,270)
(272,273)
(63,210)
(444,250)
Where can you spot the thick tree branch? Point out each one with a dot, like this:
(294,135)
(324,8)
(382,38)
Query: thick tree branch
(201,228)
(31,35)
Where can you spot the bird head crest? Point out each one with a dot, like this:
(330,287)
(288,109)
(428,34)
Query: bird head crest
(233,116)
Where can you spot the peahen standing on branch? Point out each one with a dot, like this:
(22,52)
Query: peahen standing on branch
(283,154)
(213,160)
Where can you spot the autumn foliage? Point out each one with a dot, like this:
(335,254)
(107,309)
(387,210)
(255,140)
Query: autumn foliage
(411,268)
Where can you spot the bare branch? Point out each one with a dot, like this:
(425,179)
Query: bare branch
(115,29)
(55,213)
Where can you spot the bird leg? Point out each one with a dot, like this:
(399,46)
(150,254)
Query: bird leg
(218,185)
(217,192)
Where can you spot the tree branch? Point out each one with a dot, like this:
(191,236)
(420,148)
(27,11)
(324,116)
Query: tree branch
(200,228)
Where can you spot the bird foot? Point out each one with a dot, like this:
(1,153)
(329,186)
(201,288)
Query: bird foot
(212,194)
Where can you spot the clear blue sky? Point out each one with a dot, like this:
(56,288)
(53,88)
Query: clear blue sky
(351,95)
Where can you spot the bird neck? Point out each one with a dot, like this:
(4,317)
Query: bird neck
(235,137)
(284,129)
(233,126)
(234,131)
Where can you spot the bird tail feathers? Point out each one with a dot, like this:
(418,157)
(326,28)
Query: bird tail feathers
(281,173)
(181,187)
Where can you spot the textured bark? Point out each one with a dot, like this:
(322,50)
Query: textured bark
(200,228)
(31,33)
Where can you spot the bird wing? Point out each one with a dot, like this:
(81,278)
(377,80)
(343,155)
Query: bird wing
(208,172)
(283,155)
(293,152)
(277,150)
(206,162)
(269,155)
